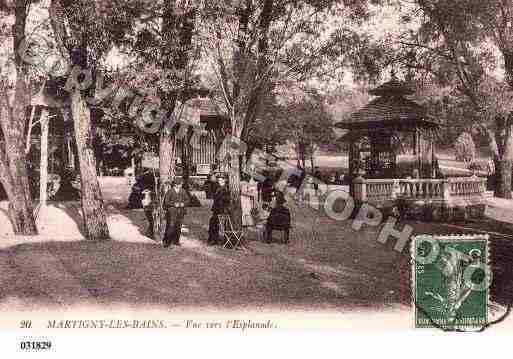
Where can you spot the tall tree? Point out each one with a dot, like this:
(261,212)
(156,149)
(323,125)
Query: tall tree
(164,51)
(81,31)
(253,45)
(458,43)
(13,168)
(164,59)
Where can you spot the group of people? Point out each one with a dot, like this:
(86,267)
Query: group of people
(176,201)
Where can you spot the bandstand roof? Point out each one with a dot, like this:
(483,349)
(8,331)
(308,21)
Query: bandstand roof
(394,86)
(389,109)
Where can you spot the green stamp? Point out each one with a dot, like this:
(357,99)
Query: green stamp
(451,280)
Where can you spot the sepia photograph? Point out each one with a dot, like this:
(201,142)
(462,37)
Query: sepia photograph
(255,165)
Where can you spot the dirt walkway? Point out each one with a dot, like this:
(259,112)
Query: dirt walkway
(327,265)
(334,270)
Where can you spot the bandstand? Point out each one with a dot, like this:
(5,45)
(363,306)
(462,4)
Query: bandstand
(393,164)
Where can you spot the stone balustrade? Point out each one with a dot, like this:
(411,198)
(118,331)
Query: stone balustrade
(374,190)
(377,190)
(425,199)
(422,188)
(467,187)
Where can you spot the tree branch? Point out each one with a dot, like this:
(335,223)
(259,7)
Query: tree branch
(59,30)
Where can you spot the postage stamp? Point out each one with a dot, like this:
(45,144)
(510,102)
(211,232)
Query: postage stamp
(450,281)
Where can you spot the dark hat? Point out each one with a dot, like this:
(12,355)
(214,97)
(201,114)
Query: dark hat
(176,180)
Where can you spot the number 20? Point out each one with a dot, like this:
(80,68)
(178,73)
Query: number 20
(26,324)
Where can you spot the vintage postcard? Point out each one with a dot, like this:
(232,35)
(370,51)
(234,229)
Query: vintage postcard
(255,165)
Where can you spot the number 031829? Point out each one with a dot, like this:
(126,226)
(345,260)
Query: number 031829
(35,345)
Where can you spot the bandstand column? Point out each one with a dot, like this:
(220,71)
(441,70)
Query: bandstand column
(425,154)
(350,159)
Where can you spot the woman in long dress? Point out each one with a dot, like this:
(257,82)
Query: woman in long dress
(247,203)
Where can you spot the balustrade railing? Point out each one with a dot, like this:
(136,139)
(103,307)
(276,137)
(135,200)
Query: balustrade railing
(377,190)
(467,187)
(421,188)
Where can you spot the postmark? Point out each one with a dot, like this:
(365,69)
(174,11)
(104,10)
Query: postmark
(450,281)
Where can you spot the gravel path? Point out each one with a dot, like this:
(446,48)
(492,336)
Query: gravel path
(326,266)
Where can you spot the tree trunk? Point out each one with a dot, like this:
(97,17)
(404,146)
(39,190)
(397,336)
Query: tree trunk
(503,168)
(186,160)
(186,165)
(166,156)
(302,155)
(249,152)
(76,162)
(20,203)
(501,145)
(93,210)
(5,176)
(508,65)
(232,157)
(235,190)
(166,173)
(43,167)
(312,157)
(13,167)
(503,163)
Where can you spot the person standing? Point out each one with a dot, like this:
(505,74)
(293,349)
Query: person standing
(317,175)
(148,206)
(175,203)
(221,205)
(267,190)
(246,200)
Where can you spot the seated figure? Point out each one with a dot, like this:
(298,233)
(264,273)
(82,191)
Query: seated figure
(210,186)
(279,219)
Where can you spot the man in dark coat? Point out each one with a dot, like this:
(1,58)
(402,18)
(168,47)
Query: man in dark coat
(210,187)
(148,205)
(221,205)
(175,203)
(266,190)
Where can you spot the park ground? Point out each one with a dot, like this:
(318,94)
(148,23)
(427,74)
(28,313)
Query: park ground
(328,266)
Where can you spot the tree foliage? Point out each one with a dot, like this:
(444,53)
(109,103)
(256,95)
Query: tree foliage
(465,45)
(297,116)
(253,46)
